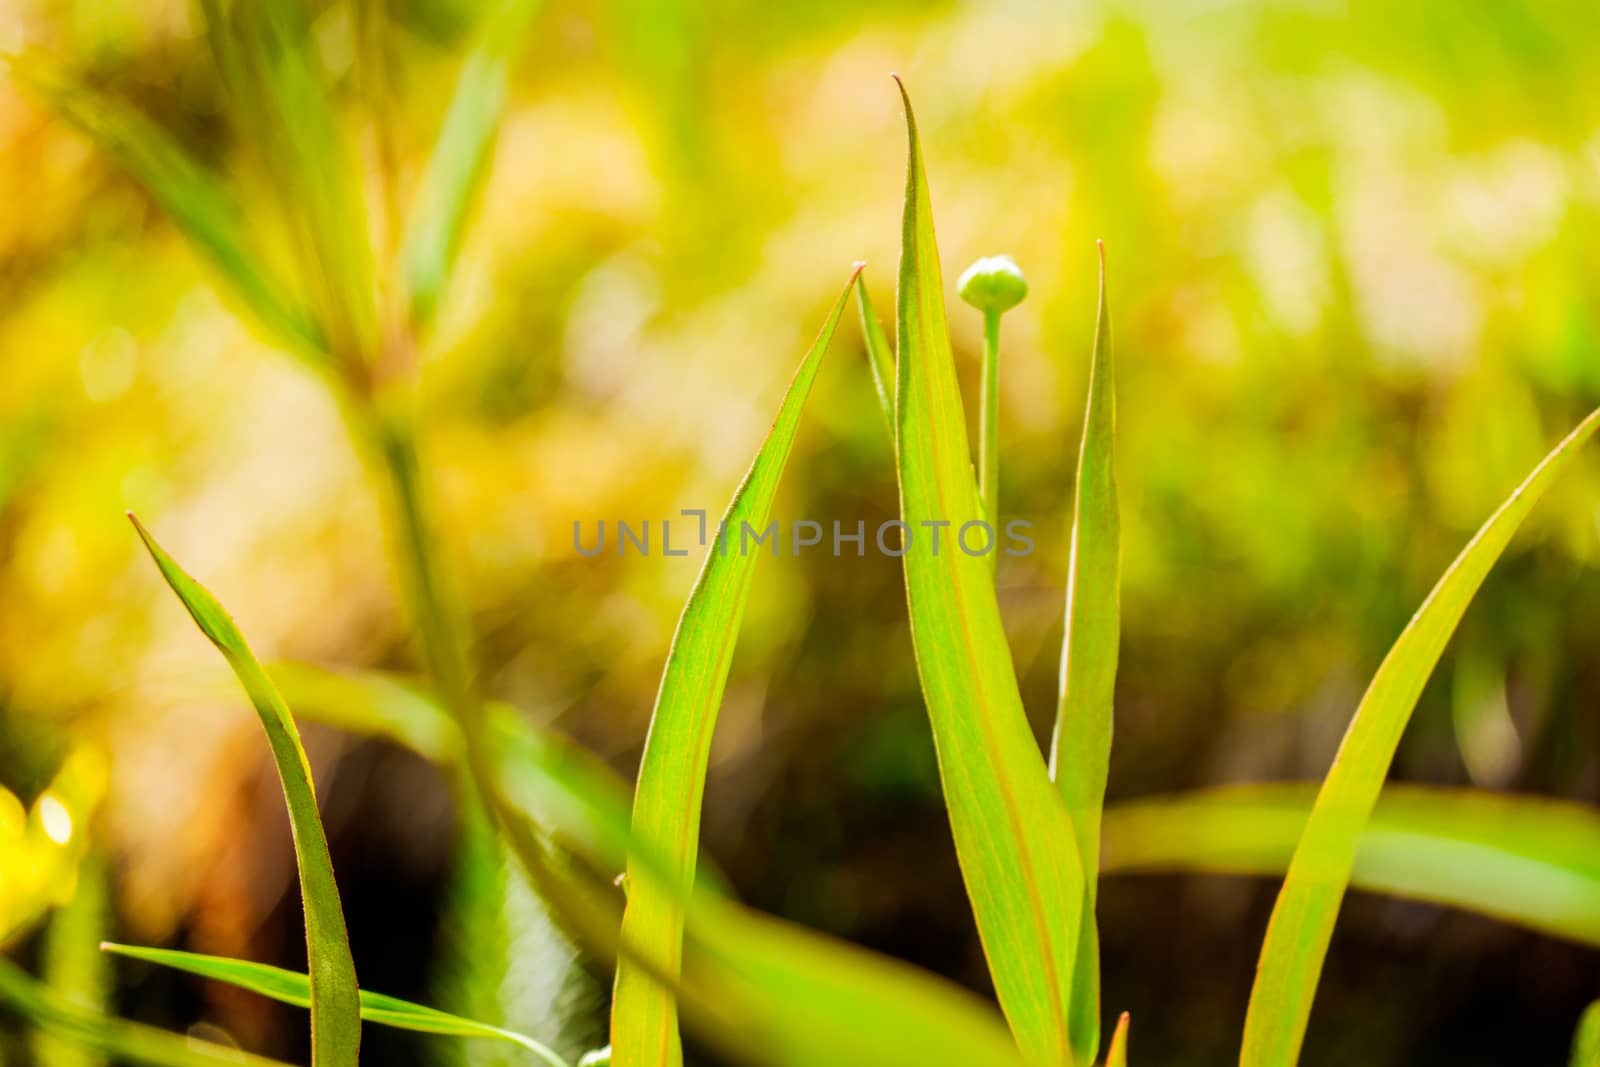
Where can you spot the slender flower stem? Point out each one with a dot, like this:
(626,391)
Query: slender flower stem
(989,423)
(993,285)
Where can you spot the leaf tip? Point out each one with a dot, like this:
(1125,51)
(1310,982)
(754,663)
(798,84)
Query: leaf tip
(1117,1054)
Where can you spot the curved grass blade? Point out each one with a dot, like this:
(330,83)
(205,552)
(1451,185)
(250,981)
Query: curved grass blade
(1117,1054)
(335,1008)
(1012,833)
(1531,861)
(1586,1042)
(880,354)
(739,967)
(672,771)
(1080,744)
(195,199)
(124,1041)
(460,158)
(292,987)
(1308,904)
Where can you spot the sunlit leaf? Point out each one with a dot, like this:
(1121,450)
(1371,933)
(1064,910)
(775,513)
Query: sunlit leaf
(785,996)
(1526,860)
(1308,904)
(335,1008)
(123,1041)
(461,157)
(1586,1042)
(194,199)
(672,771)
(291,987)
(1012,832)
(880,354)
(1117,1054)
(1080,744)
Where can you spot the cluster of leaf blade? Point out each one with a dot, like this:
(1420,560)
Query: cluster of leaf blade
(1028,851)
(1013,835)
(742,971)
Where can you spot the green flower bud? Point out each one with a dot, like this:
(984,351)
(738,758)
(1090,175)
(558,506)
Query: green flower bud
(993,283)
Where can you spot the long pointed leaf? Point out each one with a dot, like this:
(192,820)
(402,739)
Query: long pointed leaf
(1080,744)
(1012,833)
(127,1042)
(460,157)
(1308,904)
(335,1007)
(292,987)
(667,798)
(880,354)
(1532,861)
(1117,1054)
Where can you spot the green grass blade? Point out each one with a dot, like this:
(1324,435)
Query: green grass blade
(335,1007)
(460,158)
(195,200)
(268,56)
(739,967)
(123,1041)
(880,353)
(292,987)
(1012,833)
(667,798)
(1586,1042)
(792,998)
(1117,1054)
(1525,860)
(1080,743)
(70,964)
(1308,904)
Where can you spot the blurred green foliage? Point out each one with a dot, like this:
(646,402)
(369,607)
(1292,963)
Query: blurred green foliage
(1353,247)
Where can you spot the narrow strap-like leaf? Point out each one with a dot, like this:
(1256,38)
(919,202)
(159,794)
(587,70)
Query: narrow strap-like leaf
(1527,860)
(292,987)
(1012,833)
(1586,1042)
(672,771)
(1080,744)
(1117,1054)
(124,1041)
(1308,904)
(460,157)
(880,354)
(335,1007)
(195,199)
